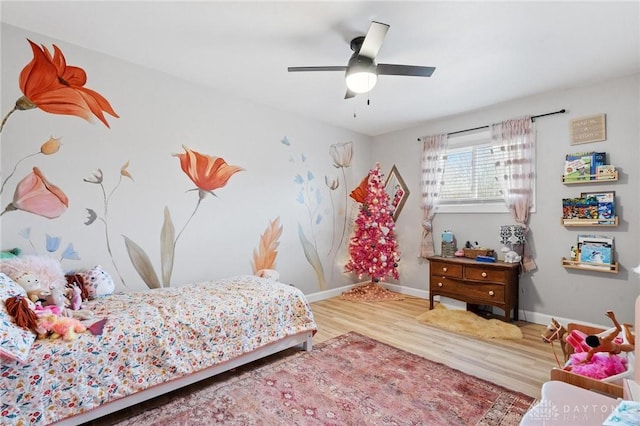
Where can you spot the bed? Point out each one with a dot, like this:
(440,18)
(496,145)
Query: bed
(152,343)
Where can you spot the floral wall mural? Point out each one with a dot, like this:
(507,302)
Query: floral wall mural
(113,194)
(310,195)
(207,173)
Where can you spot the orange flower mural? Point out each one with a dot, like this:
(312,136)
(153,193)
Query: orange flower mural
(48,83)
(34,194)
(360,193)
(207,172)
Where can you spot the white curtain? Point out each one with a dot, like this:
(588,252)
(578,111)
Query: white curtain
(433,155)
(516,173)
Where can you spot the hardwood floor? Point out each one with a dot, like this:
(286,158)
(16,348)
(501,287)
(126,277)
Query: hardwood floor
(522,365)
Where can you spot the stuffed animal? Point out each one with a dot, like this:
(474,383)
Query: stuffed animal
(55,327)
(96,282)
(53,300)
(38,294)
(30,283)
(22,311)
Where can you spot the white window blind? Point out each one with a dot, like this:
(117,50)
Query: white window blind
(470,184)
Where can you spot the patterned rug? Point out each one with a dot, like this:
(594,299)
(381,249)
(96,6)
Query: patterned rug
(349,380)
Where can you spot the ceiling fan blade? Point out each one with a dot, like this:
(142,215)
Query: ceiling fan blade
(329,68)
(373,40)
(349,94)
(411,70)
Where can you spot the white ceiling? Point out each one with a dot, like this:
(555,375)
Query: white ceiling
(484,52)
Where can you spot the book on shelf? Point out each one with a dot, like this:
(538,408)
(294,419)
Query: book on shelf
(591,252)
(581,166)
(605,172)
(580,208)
(595,249)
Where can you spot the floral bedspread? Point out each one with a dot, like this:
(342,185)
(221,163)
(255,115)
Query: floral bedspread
(149,338)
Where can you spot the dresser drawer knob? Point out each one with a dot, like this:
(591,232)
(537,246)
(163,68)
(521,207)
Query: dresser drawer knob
(484,275)
(439,284)
(491,293)
(445,269)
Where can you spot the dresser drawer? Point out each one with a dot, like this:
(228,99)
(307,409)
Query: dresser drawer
(477,292)
(485,274)
(446,269)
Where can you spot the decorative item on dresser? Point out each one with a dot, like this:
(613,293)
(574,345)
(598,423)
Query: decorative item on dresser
(477,283)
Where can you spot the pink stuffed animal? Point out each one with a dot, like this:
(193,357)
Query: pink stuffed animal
(59,327)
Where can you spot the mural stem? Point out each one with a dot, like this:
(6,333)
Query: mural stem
(4,182)
(201,195)
(113,262)
(6,117)
(333,223)
(346,201)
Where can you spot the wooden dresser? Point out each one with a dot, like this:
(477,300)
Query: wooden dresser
(477,283)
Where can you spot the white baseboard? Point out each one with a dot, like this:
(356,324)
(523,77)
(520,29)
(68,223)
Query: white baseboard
(528,316)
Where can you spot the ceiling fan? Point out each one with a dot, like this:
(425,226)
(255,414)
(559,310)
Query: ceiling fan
(361,72)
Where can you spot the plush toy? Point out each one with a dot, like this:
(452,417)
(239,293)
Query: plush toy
(30,283)
(22,311)
(55,327)
(10,254)
(96,282)
(47,269)
(53,300)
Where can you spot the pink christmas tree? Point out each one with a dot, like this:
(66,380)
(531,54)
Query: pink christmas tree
(373,247)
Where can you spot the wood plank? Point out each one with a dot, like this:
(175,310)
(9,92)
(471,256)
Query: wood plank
(522,365)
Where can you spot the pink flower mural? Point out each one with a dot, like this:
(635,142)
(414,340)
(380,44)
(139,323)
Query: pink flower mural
(34,194)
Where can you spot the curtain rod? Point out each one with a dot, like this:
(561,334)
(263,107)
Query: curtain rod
(533,117)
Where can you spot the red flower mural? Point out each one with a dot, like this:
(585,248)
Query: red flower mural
(360,193)
(34,194)
(53,86)
(206,171)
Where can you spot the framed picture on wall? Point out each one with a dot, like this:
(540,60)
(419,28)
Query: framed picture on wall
(397,191)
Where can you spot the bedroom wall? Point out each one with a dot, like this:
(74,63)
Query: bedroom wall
(126,175)
(551,290)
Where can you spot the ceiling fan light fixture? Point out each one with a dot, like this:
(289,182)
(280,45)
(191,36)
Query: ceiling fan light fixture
(361,76)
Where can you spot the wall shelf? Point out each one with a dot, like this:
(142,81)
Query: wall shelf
(596,267)
(590,222)
(592,179)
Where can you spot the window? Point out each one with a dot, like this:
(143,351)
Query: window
(470,183)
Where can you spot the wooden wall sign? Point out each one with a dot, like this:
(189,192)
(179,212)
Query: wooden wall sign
(588,129)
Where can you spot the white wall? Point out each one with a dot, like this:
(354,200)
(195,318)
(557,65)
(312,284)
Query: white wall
(551,290)
(159,114)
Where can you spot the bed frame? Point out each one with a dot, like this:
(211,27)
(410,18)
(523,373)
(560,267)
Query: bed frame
(303,340)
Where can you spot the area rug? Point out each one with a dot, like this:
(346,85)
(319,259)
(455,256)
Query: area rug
(470,324)
(348,380)
(370,292)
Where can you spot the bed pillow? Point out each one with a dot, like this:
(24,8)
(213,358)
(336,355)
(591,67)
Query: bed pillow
(96,282)
(15,341)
